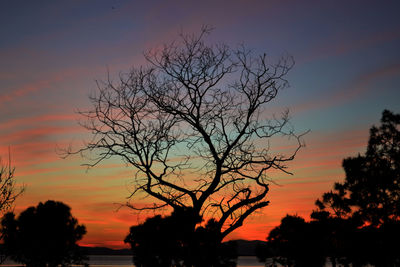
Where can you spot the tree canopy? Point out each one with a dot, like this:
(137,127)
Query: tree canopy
(371,189)
(296,243)
(170,241)
(41,236)
(357,222)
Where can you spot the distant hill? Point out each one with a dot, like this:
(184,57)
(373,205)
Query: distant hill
(105,251)
(247,247)
(244,248)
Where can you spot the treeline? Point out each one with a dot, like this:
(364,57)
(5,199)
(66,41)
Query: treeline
(358,221)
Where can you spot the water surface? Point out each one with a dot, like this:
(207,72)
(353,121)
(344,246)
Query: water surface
(126,261)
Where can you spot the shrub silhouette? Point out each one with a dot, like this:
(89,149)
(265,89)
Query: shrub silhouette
(296,242)
(45,235)
(170,241)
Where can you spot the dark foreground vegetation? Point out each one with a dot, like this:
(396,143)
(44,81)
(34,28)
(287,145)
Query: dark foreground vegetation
(358,222)
(43,236)
(170,241)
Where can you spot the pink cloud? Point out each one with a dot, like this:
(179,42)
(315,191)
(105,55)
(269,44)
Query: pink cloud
(19,122)
(21,91)
(33,135)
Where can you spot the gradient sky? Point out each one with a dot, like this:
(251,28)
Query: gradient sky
(51,53)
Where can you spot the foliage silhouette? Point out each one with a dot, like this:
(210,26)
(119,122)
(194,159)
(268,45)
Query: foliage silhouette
(371,189)
(370,197)
(170,241)
(357,223)
(339,237)
(45,235)
(296,243)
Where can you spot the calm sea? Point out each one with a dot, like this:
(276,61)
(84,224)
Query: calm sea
(126,261)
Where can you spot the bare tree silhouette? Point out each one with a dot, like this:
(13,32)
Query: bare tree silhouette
(8,190)
(193,126)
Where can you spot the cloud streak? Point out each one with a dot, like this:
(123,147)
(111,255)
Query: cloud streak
(355,89)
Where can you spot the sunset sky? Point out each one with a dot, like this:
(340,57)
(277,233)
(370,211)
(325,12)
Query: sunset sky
(347,72)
